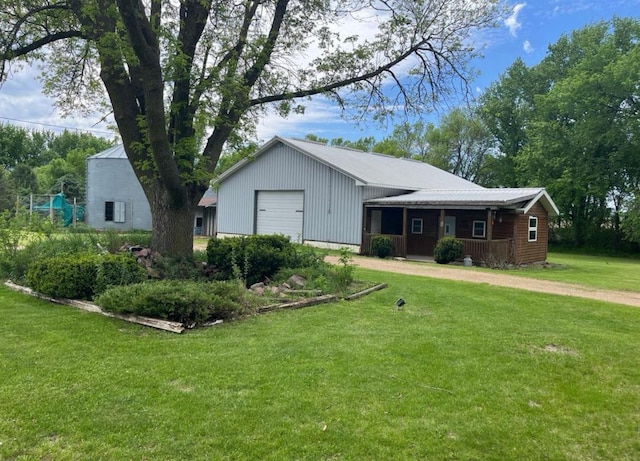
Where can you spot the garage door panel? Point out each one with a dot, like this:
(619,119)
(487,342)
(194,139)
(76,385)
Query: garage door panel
(280,212)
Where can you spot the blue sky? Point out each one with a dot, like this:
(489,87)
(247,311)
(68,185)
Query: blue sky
(526,32)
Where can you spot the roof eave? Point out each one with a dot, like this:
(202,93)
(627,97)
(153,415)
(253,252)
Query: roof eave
(547,202)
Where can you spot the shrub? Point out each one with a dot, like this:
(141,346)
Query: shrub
(301,256)
(69,276)
(82,276)
(179,268)
(116,270)
(448,249)
(381,246)
(192,303)
(253,259)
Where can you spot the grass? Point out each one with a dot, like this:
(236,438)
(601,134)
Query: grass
(610,273)
(464,371)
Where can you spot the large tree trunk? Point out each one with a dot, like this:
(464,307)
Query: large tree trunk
(172,228)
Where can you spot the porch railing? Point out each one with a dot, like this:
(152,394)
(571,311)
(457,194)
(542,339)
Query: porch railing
(396,240)
(485,250)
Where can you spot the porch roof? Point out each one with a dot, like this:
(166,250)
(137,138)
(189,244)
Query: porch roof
(511,198)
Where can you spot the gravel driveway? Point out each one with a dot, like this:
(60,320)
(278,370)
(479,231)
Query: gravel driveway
(497,278)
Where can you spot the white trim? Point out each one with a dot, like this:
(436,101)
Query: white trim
(547,203)
(416,220)
(532,229)
(484,229)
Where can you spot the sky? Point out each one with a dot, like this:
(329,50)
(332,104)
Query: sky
(526,32)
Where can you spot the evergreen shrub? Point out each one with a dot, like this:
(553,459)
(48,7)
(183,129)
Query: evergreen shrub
(381,246)
(254,258)
(68,276)
(192,303)
(448,249)
(82,276)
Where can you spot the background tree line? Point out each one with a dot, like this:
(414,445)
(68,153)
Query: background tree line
(43,162)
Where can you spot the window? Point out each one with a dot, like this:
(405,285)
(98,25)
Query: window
(479,229)
(114,211)
(533,229)
(108,211)
(416,226)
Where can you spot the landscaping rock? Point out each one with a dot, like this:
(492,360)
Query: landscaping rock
(297,281)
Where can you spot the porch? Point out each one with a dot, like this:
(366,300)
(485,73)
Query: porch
(479,250)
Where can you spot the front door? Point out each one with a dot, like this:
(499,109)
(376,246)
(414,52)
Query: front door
(449,226)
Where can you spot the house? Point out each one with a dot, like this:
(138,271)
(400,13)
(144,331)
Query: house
(339,197)
(495,225)
(115,198)
(205,220)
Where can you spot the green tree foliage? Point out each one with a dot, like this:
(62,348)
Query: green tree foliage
(8,191)
(175,70)
(19,146)
(462,145)
(228,159)
(364,144)
(24,179)
(570,124)
(407,140)
(44,162)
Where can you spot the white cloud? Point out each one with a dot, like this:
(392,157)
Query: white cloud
(23,103)
(512,22)
(321,118)
(526,46)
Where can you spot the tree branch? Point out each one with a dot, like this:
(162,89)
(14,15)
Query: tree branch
(23,50)
(420,46)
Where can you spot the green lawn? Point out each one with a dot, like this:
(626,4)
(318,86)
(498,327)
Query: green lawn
(463,372)
(605,272)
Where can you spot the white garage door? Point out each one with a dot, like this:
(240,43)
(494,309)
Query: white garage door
(280,212)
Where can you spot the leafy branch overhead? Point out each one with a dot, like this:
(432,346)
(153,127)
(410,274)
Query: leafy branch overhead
(184,78)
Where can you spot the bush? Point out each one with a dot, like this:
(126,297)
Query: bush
(82,276)
(253,259)
(117,270)
(381,246)
(69,276)
(192,303)
(448,249)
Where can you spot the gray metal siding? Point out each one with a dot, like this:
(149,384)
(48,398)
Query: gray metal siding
(332,201)
(113,180)
(378,192)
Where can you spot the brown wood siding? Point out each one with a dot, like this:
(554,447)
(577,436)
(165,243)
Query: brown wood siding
(503,226)
(422,244)
(530,252)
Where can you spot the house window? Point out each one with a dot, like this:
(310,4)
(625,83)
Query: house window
(533,229)
(114,211)
(479,229)
(416,226)
(108,211)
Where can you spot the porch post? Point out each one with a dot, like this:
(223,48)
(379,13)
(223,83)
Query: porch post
(489,225)
(404,232)
(441,225)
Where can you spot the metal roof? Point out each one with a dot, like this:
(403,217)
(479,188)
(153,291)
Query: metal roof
(370,169)
(209,199)
(523,198)
(116,151)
